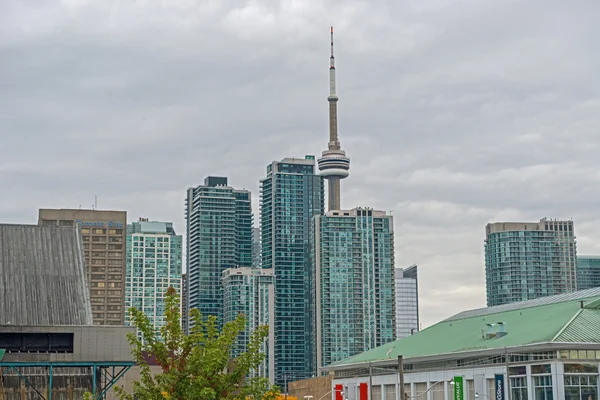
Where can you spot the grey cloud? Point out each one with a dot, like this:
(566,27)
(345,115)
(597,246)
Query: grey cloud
(455,114)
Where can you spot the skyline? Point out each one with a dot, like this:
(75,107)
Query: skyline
(480,123)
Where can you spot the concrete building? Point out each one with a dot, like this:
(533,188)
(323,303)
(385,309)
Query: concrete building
(588,272)
(527,260)
(50,347)
(103,234)
(251,291)
(407,301)
(354,282)
(219,236)
(333,164)
(548,348)
(290,195)
(154,261)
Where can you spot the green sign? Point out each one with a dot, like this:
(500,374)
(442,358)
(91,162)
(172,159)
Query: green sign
(2,353)
(458,388)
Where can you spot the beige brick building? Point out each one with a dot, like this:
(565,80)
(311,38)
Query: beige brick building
(104,240)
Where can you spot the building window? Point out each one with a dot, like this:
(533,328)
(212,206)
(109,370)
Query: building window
(543,387)
(518,388)
(390,392)
(437,391)
(579,387)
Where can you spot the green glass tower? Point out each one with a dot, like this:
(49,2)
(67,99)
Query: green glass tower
(154,260)
(354,286)
(219,236)
(588,272)
(251,291)
(527,260)
(290,195)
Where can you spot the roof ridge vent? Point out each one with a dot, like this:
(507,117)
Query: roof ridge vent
(495,330)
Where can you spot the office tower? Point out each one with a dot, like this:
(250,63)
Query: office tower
(251,291)
(333,164)
(219,236)
(184,306)
(256,262)
(588,272)
(103,234)
(407,301)
(290,195)
(154,253)
(527,260)
(354,288)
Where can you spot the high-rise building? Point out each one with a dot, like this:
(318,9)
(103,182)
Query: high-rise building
(103,234)
(219,236)
(154,260)
(407,301)
(527,260)
(354,286)
(588,272)
(256,250)
(251,291)
(290,195)
(184,306)
(333,164)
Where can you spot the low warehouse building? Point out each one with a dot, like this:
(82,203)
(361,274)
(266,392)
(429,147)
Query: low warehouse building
(51,350)
(548,347)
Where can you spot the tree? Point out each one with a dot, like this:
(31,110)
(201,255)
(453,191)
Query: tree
(198,365)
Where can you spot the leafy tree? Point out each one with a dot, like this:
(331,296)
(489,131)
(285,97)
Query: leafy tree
(195,366)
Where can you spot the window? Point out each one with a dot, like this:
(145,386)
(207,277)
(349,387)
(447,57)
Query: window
(543,387)
(390,392)
(579,387)
(518,388)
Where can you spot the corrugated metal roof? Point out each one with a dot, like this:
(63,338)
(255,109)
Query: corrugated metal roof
(582,294)
(43,276)
(585,328)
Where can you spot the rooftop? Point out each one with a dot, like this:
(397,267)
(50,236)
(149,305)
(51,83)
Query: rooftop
(567,318)
(42,276)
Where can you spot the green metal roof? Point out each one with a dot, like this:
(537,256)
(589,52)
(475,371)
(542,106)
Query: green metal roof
(2,353)
(557,322)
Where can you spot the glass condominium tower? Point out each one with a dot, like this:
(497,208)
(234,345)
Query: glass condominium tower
(251,291)
(154,260)
(588,272)
(354,284)
(290,195)
(219,236)
(407,301)
(528,260)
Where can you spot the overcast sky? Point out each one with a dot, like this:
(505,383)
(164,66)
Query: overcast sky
(454,113)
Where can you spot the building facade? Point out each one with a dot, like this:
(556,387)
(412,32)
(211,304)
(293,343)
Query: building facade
(543,349)
(219,236)
(525,260)
(354,283)
(251,291)
(588,272)
(154,263)
(103,234)
(407,301)
(184,307)
(256,250)
(290,195)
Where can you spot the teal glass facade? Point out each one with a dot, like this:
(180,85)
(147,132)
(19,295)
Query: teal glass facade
(154,263)
(525,261)
(291,194)
(354,284)
(219,236)
(588,272)
(251,291)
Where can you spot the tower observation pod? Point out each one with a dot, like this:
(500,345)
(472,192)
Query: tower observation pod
(333,164)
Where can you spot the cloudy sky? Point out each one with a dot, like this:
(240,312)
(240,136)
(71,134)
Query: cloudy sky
(454,113)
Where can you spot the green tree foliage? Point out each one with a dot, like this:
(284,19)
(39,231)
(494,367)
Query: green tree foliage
(196,366)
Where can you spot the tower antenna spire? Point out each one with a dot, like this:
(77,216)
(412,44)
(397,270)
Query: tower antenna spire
(331,42)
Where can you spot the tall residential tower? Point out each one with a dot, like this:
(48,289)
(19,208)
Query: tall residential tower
(353,262)
(154,259)
(290,195)
(407,301)
(527,260)
(333,164)
(219,236)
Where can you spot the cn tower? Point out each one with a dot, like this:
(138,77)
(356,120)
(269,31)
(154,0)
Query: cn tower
(333,164)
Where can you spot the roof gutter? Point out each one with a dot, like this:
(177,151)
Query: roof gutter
(463,354)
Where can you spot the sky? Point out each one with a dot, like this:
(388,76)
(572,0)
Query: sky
(455,113)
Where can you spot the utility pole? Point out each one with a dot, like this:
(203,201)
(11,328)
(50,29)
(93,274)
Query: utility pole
(285,384)
(401,394)
(370,382)
(507,374)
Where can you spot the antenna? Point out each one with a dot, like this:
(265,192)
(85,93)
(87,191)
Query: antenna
(95,202)
(331,42)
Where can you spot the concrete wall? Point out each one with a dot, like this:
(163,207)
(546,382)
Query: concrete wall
(315,387)
(91,343)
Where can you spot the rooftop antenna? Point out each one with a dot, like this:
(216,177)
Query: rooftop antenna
(95,202)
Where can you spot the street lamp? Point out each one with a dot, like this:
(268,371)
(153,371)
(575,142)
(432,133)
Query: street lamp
(482,394)
(308,397)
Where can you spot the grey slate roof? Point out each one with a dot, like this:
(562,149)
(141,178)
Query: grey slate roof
(43,276)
